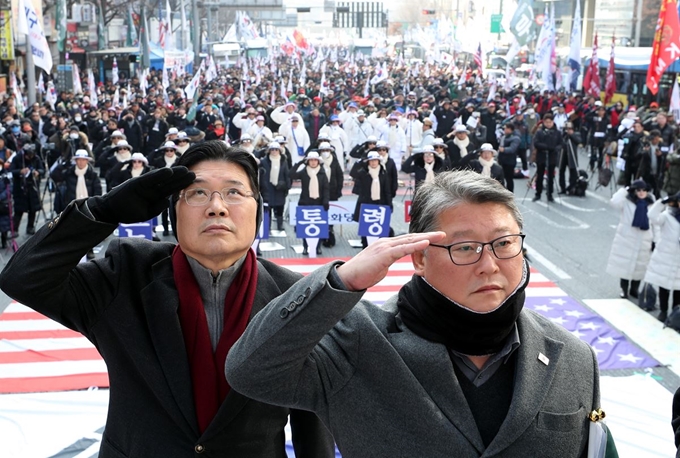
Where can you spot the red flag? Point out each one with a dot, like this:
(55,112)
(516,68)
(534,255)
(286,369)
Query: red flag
(666,45)
(591,80)
(300,40)
(610,84)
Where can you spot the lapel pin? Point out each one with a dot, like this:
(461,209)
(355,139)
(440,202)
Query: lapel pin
(544,359)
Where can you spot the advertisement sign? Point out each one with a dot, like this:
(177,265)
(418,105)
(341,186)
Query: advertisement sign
(6,37)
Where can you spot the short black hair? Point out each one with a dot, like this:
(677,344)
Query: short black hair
(509,125)
(217,150)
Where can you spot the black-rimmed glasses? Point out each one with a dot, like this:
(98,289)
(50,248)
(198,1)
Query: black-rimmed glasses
(470,252)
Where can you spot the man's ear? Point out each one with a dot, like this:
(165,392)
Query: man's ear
(418,260)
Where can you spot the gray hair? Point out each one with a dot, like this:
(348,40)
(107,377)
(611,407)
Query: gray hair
(450,189)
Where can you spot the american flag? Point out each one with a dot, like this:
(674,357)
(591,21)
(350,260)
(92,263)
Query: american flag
(478,56)
(40,355)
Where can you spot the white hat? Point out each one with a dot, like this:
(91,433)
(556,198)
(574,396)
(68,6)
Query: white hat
(382,144)
(313,155)
(427,149)
(372,155)
(247,137)
(139,157)
(82,154)
(280,139)
(123,144)
(324,146)
(598,103)
(487,147)
(460,128)
(117,133)
(322,136)
(361,113)
(182,136)
(168,145)
(274,145)
(172,131)
(371,139)
(437,142)
(259,118)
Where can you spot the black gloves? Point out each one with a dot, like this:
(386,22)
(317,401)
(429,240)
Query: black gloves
(140,199)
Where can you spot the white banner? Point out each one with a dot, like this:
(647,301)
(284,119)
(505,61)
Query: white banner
(28,23)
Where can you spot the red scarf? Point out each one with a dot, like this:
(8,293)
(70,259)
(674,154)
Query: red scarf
(207,368)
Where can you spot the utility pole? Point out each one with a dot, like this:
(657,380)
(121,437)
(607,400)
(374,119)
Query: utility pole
(196,25)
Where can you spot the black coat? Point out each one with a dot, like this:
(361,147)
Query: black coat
(119,173)
(155,136)
(126,305)
(547,142)
(68,176)
(416,164)
(336,179)
(324,192)
(134,134)
(362,187)
(274,195)
(26,189)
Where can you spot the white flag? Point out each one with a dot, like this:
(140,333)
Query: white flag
(166,80)
(41,84)
(211,72)
(51,95)
(18,98)
(29,24)
(77,84)
(675,100)
(114,72)
(92,88)
(191,88)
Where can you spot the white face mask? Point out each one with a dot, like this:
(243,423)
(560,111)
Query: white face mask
(73,136)
(325,154)
(78,119)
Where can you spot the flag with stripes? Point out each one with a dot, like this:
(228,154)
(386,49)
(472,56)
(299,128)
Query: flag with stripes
(478,57)
(38,354)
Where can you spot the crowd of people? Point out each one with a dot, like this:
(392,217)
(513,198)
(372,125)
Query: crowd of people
(116,155)
(334,121)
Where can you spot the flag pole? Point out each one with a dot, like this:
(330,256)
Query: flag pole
(30,73)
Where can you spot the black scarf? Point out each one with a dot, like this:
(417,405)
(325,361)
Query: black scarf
(436,318)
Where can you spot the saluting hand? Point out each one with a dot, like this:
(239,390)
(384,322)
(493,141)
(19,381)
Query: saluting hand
(370,266)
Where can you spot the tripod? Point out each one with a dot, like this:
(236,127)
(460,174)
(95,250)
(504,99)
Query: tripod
(410,189)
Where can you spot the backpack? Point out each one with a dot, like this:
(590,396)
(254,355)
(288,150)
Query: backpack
(581,184)
(604,176)
(647,297)
(673,320)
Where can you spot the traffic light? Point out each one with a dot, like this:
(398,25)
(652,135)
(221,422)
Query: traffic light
(428,12)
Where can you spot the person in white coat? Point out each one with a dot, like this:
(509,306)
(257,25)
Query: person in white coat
(244,120)
(338,139)
(632,245)
(395,138)
(413,131)
(282,115)
(349,113)
(261,134)
(297,138)
(664,266)
(358,129)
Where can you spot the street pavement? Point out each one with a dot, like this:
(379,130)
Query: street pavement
(568,244)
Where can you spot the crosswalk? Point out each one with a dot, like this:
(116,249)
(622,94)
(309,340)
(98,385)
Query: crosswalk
(40,355)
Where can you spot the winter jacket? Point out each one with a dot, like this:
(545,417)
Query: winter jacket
(631,247)
(664,266)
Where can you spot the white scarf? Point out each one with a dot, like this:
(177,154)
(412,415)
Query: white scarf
(313,182)
(81,188)
(327,161)
(462,145)
(486,167)
(375,184)
(276,167)
(136,172)
(429,168)
(183,148)
(383,160)
(169,161)
(123,157)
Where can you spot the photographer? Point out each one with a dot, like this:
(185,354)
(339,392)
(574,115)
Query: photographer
(548,143)
(27,169)
(652,161)
(632,149)
(664,265)
(569,158)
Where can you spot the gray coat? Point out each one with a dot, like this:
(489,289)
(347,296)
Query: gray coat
(386,392)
